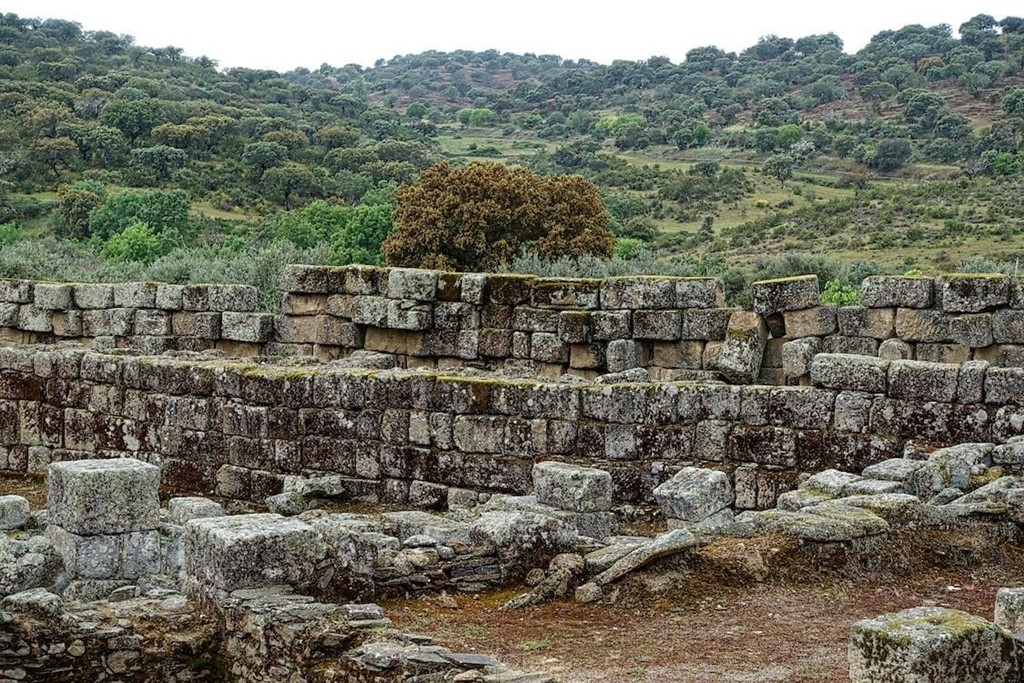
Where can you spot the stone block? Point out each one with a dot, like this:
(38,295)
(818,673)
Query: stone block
(408,314)
(251,551)
(67,323)
(247,327)
(370,310)
(860,346)
(810,322)
(638,293)
(849,372)
(971,385)
(895,349)
(609,325)
(914,325)
(107,556)
(565,294)
(739,357)
(151,323)
(883,291)
(94,296)
(860,321)
(183,509)
(1009,613)
(700,292)
(14,512)
(1003,355)
(201,325)
(548,348)
(657,324)
(705,324)
(942,353)
(574,327)
(923,381)
(411,283)
(1004,385)
(103,496)
(169,297)
(694,494)
(797,356)
(1008,326)
(933,644)
(972,331)
(624,354)
(8,314)
(16,291)
(682,354)
(312,279)
(109,322)
(32,318)
(786,294)
(235,298)
(135,295)
(572,487)
(974,292)
(473,288)
(52,297)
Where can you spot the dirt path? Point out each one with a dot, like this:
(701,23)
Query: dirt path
(759,634)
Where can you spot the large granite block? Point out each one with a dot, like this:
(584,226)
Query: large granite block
(103,496)
(786,294)
(572,487)
(694,494)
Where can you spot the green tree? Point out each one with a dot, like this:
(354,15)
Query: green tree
(54,153)
(890,154)
(1013,102)
(137,242)
(160,160)
(285,183)
(780,167)
(134,118)
(75,205)
(163,211)
(364,234)
(258,157)
(478,216)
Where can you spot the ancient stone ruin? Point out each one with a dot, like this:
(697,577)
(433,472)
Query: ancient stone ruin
(199,457)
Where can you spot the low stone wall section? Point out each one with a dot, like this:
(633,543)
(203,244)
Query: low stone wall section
(237,429)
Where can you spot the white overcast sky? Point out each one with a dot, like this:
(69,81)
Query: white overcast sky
(285,35)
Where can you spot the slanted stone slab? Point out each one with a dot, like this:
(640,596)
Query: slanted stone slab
(251,551)
(103,496)
(831,482)
(14,512)
(572,487)
(786,294)
(933,645)
(740,355)
(694,494)
(823,523)
(671,543)
(893,469)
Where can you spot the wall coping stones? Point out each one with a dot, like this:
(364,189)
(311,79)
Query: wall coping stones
(786,294)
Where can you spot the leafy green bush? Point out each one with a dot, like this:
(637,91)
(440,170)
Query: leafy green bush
(840,294)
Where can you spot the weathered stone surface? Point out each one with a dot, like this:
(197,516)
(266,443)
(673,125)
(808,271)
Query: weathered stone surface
(183,509)
(861,321)
(810,322)
(572,487)
(694,494)
(135,294)
(251,551)
(851,372)
(522,540)
(16,291)
(787,294)
(665,545)
(568,293)
(638,293)
(894,469)
(897,292)
(624,354)
(1007,326)
(974,292)
(412,283)
(950,467)
(797,356)
(831,482)
(895,349)
(1009,612)
(14,512)
(609,325)
(823,522)
(1004,385)
(973,331)
(924,381)
(53,297)
(700,292)
(971,384)
(925,325)
(103,496)
(931,644)
(654,324)
(107,556)
(740,356)
(247,327)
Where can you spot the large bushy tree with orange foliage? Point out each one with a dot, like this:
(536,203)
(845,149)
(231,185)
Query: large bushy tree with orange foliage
(478,216)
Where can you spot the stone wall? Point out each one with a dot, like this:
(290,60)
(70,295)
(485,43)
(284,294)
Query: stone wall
(238,428)
(674,327)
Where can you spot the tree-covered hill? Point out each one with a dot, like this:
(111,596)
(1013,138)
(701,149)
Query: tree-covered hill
(127,152)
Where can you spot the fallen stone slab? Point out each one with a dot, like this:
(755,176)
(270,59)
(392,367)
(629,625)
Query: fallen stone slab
(838,524)
(951,467)
(831,482)
(893,469)
(801,498)
(694,494)
(665,545)
(932,644)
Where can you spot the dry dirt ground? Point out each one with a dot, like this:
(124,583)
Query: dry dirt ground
(740,611)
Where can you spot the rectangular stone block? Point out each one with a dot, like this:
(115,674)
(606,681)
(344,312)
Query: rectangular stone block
(94,296)
(52,297)
(370,310)
(786,294)
(974,292)
(740,356)
(409,314)
(115,496)
(125,556)
(247,327)
(8,314)
(914,325)
(110,322)
(312,279)
(250,551)
(942,353)
(548,348)
(565,294)
(526,319)
(849,372)
(884,291)
(135,294)
(201,325)
(67,323)
(609,325)
(705,324)
(810,322)
(169,297)
(638,293)
(151,322)
(411,283)
(572,487)
(972,331)
(1008,326)
(700,292)
(924,381)
(32,318)
(16,291)
(655,324)
(1004,385)
(860,321)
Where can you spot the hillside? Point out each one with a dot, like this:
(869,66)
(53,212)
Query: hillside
(790,144)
